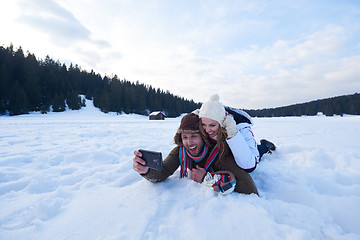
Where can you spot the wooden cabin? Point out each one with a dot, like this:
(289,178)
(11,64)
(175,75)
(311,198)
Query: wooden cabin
(157,116)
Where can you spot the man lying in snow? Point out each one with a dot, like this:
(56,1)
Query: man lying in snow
(199,161)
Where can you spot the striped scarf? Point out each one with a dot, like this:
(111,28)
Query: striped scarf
(186,159)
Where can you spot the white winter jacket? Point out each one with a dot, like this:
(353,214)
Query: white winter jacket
(243,145)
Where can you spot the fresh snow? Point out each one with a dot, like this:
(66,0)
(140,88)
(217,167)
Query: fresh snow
(69,176)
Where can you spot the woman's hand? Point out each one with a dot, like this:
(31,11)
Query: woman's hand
(230,126)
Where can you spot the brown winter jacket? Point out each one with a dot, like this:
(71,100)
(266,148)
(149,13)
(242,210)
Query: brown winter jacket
(244,182)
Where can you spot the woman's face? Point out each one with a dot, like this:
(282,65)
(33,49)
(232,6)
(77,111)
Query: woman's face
(210,126)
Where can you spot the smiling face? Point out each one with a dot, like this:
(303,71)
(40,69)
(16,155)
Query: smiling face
(210,126)
(193,143)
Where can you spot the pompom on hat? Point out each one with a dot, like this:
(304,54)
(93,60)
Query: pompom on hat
(213,109)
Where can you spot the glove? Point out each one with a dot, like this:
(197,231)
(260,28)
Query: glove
(210,180)
(222,182)
(230,126)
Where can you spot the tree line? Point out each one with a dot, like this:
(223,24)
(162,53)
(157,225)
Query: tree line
(347,104)
(28,84)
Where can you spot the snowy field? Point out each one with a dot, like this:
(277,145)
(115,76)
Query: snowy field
(69,176)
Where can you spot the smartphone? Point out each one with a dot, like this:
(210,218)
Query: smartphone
(153,159)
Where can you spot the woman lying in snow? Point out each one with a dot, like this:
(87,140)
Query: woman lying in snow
(232,136)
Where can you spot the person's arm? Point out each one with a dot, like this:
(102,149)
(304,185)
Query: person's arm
(244,182)
(244,147)
(170,164)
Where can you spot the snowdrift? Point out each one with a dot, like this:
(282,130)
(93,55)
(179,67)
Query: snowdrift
(69,176)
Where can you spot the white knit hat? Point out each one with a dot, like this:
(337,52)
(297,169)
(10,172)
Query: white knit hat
(213,109)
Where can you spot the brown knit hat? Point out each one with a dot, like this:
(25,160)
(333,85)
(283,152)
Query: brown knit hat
(189,123)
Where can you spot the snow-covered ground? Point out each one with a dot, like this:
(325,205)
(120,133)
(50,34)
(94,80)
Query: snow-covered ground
(69,176)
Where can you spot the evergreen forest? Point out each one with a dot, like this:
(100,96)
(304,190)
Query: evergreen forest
(347,104)
(28,84)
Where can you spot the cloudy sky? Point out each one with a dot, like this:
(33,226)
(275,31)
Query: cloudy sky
(254,54)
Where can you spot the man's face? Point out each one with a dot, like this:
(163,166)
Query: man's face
(193,143)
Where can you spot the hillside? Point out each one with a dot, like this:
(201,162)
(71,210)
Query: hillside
(28,84)
(69,176)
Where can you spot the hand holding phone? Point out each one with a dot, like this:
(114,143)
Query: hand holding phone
(153,159)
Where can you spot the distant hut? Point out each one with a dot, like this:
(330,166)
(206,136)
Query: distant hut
(157,116)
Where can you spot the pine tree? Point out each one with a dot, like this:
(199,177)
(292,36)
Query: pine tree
(58,103)
(74,101)
(18,102)
(5,85)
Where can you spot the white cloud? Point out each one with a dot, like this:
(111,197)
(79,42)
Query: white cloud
(287,72)
(347,70)
(49,17)
(254,54)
